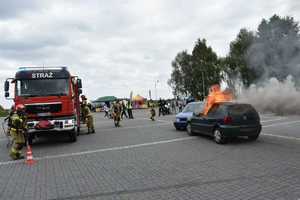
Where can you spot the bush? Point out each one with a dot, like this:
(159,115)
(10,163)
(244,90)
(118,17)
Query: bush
(3,112)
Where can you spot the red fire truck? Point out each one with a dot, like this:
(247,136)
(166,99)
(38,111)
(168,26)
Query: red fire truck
(51,97)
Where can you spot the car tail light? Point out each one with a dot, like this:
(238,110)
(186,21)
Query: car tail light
(227,120)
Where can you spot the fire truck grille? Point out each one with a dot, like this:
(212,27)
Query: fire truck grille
(43,108)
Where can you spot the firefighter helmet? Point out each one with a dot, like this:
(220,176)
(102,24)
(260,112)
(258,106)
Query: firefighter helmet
(20,107)
(83,97)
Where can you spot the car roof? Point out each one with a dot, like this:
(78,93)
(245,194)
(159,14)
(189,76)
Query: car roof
(232,103)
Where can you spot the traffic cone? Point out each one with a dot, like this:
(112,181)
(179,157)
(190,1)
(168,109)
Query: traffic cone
(29,156)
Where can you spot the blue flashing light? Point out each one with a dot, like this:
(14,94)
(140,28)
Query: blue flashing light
(64,68)
(22,68)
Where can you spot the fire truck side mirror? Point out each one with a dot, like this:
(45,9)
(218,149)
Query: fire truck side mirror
(80,91)
(79,83)
(6,86)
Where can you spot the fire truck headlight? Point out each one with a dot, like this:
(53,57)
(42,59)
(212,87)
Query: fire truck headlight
(70,121)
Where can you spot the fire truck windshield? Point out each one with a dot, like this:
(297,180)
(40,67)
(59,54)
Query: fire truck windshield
(42,87)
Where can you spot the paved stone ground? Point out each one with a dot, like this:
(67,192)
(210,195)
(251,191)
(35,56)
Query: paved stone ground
(151,160)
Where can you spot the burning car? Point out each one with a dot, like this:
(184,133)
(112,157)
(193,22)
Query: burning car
(225,119)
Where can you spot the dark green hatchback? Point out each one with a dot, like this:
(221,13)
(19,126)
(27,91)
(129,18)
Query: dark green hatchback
(227,120)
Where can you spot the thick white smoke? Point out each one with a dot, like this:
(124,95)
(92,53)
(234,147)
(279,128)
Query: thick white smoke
(281,98)
(275,52)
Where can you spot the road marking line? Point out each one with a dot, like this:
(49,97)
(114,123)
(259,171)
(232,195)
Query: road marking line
(267,114)
(102,150)
(140,126)
(271,120)
(281,136)
(283,123)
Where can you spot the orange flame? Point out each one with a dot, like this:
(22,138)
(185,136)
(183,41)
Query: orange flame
(216,96)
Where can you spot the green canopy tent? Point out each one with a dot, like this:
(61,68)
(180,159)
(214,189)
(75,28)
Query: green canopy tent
(105,99)
(98,103)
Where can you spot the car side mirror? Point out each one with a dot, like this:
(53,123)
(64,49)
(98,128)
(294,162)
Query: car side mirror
(199,114)
(196,114)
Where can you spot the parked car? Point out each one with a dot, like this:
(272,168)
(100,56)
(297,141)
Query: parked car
(189,110)
(227,120)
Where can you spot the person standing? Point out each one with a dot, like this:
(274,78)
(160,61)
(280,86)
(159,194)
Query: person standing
(117,110)
(82,117)
(88,117)
(180,107)
(17,130)
(129,109)
(160,105)
(173,107)
(152,110)
(106,111)
(152,113)
(124,110)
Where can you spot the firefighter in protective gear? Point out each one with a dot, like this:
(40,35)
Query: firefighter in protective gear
(17,130)
(88,117)
(8,120)
(152,113)
(82,116)
(117,110)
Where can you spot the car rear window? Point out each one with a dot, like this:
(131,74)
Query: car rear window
(217,111)
(239,110)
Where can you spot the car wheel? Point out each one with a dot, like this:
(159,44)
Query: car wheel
(189,130)
(73,136)
(253,137)
(219,137)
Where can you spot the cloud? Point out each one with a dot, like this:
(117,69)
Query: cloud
(120,45)
(15,8)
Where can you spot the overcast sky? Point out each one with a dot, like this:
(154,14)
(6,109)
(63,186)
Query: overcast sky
(121,45)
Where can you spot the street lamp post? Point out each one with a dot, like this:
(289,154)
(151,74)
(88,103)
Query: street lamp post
(155,85)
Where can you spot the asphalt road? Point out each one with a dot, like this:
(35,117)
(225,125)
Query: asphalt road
(151,160)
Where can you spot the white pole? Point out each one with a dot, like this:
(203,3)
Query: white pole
(155,85)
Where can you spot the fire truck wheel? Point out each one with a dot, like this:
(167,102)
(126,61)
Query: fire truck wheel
(73,136)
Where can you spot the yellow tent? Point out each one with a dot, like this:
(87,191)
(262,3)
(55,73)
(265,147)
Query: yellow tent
(138,101)
(138,98)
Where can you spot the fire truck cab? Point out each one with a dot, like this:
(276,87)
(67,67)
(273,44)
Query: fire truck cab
(51,98)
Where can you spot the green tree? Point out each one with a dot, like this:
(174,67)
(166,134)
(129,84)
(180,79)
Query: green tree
(206,67)
(3,112)
(275,51)
(235,65)
(181,71)
(194,74)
